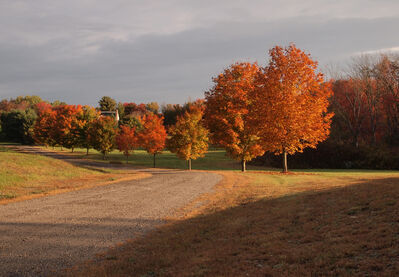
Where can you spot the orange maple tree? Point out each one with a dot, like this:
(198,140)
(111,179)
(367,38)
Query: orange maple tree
(44,124)
(126,140)
(292,102)
(188,137)
(229,112)
(152,136)
(73,137)
(66,128)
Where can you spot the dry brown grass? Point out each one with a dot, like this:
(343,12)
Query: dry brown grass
(61,186)
(27,176)
(272,225)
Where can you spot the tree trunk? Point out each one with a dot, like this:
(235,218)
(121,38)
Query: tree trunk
(285,167)
(189,164)
(72,149)
(154,160)
(243,166)
(356,140)
(87,151)
(61,148)
(103,155)
(127,159)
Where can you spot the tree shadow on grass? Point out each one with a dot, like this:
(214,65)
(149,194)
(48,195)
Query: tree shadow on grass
(347,231)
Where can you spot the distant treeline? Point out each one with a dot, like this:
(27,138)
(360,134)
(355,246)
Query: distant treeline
(18,115)
(364,130)
(127,126)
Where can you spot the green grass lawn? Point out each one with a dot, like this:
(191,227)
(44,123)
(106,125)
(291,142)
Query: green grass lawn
(9,143)
(215,159)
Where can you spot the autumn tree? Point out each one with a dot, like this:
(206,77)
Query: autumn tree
(229,113)
(188,137)
(106,103)
(292,102)
(126,140)
(66,128)
(170,112)
(44,125)
(57,103)
(387,75)
(102,133)
(365,71)
(365,100)
(350,106)
(152,107)
(152,136)
(132,114)
(20,103)
(135,110)
(87,117)
(31,100)
(74,137)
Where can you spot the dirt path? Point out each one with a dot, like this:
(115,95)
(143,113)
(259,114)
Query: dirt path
(41,235)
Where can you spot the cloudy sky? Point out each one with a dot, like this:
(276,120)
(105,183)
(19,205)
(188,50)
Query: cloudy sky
(168,50)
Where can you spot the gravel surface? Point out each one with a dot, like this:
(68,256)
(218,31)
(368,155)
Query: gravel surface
(44,235)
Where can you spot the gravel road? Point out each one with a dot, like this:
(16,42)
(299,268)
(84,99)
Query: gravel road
(43,235)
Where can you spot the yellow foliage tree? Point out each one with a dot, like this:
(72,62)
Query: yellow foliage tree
(188,137)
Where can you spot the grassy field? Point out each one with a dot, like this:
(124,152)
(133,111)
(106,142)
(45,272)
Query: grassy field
(25,176)
(316,223)
(215,159)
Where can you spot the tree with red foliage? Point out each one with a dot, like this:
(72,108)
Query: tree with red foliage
(136,110)
(291,103)
(152,136)
(44,126)
(74,136)
(229,113)
(387,75)
(350,106)
(66,129)
(126,140)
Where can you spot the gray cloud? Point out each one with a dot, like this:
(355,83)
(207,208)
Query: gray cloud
(141,52)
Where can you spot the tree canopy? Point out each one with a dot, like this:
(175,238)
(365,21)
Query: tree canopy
(152,136)
(229,112)
(292,101)
(188,137)
(106,103)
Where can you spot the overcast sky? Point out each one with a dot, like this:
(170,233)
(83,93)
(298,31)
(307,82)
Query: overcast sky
(168,50)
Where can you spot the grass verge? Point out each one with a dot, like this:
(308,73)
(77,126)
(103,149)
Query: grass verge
(25,176)
(336,223)
(215,159)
